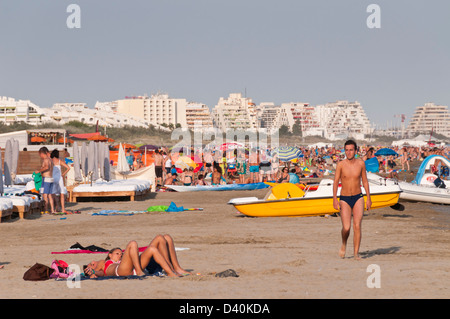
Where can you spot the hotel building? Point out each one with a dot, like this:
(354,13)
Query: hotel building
(158,109)
(235,112)
(430,118)
(343,119)
(198,117)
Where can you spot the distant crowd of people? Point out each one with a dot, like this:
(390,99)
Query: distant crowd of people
(257,165)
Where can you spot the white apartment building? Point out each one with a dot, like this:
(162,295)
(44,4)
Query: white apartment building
(104,114)
(303,113)
(157,109)
(12,110)
(268,116)
(198,117)
(430,117)
(235,112)
(343,119)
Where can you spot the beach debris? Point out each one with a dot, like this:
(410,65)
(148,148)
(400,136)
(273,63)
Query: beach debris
(227,273)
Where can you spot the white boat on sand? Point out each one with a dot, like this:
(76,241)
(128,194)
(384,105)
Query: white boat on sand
(422,188)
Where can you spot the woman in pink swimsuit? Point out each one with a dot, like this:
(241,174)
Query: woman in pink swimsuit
(129,262)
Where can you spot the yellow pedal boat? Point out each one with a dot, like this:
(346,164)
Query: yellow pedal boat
(289,200)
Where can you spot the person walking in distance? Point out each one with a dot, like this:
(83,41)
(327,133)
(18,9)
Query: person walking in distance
(350,172)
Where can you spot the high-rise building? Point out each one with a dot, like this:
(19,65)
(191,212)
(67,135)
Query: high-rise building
(198,117)
(342,119)
(430,118)
(235,112)
(158,109)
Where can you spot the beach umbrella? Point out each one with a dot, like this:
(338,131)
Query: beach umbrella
(101,159)
(84,159)
(76,163)
(1,174)
(288,153)
(124,146)
(91,157)
(106,164)
(386,152)
(8,162)
(179,149)
(98,138)
(95,156)
(63,140)
(15,157)
(149,147)
(37,139)
(122,164)
(229,146)
(185,162)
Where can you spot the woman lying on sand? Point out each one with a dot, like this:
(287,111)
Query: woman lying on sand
(161,249)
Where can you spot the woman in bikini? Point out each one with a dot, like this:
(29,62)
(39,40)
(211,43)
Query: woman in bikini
(161,249)
(284,178)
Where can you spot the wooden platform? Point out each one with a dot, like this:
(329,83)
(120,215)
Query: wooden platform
(133,195)
(24,211)
(7,213)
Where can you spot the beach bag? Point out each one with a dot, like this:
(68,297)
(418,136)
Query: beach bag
(60,269)
(38,272)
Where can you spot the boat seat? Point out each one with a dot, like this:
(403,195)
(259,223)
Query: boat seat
(285,190)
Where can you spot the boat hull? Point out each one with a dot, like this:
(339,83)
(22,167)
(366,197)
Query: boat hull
(418,193)
(225,187)
(428,193)
(304,206)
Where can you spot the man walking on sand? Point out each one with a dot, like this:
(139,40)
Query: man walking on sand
(350,172)
(47,178)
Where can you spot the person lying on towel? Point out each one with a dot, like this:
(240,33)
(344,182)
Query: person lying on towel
(128,262)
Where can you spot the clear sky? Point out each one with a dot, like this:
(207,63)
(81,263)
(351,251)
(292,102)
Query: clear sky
(278,51)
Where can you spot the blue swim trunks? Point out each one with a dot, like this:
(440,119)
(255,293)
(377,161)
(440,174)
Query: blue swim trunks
(47,185)
(254,169)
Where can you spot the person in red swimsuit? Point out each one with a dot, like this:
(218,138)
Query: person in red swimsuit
(129,262)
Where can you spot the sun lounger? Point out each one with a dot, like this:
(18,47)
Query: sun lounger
(6,208)
(132,188)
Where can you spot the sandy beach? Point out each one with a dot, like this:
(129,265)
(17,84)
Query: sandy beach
(274,257)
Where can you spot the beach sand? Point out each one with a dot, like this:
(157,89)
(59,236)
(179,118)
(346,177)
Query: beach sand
(274,257)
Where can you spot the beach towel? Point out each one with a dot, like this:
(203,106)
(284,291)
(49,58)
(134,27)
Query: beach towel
(114,212)
(99,250)
(37,178)
(91,248)
(173,208)
(159,208)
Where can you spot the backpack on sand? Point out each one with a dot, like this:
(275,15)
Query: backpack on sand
(38,272)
